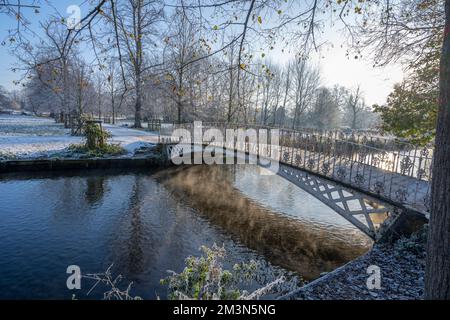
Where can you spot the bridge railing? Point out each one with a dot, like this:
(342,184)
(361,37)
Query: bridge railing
(371,138)
(388,155)
(399,173)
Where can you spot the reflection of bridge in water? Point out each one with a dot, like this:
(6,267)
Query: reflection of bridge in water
(371,182)
(286,240)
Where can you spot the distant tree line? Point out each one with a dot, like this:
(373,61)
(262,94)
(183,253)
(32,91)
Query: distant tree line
(150,60)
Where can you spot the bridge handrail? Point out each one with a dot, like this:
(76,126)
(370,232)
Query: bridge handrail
(397,176)
(337,134)
(415,162)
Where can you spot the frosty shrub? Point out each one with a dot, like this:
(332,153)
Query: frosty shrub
(6,156)
(415,244)
(95,136)
(96,142)
(204,278)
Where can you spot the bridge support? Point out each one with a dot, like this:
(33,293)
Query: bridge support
(369,215)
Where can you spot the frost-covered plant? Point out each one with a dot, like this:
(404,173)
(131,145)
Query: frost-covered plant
(107,149)
(96,142)
(112,283)
(95,136)
(204,278)
(415,244)
(6,156)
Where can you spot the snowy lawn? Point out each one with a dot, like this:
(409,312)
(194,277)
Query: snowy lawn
(25,137)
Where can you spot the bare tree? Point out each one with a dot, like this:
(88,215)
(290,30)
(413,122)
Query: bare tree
(355,106)
(305,82)
(287,78)
(181,42)
(135,23)
(325,110)
(5,100)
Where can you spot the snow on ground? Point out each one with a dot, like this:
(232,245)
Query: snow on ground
(131,139)
(26,137)
(18,125)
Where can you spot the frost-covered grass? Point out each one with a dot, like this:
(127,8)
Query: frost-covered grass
(81,151)
(13,125)
(27,137)
(7,156)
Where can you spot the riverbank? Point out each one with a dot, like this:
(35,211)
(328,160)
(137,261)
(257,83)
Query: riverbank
(151,161)
(402,268)
(32,138)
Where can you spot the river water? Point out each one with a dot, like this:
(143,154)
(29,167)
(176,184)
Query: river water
(148,222)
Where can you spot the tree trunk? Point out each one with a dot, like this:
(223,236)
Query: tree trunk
(437,277)
(99,108)
(113,104)
(294,121)
(138,106)
(180,92)
(179,106)
(230,93)
(137,23)
(354,119)
(65,86)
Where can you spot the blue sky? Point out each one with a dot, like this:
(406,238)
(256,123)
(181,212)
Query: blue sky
(7,59)
(376,83)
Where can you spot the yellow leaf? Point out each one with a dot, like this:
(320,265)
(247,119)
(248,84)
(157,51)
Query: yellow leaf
(259,19)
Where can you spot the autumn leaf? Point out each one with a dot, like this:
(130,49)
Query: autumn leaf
(259,19)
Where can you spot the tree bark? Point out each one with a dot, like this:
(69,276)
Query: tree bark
(66,105)
(138,35)
(180,92)
(437,277)
(138,105)
(230,91)
(113,110)
(113,102)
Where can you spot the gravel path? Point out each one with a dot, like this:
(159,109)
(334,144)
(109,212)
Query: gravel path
(402,278)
